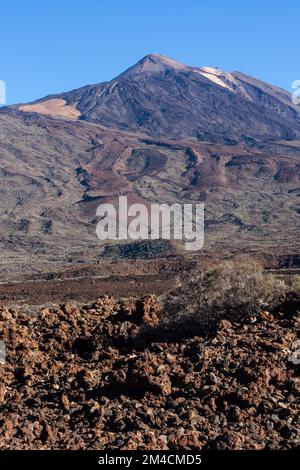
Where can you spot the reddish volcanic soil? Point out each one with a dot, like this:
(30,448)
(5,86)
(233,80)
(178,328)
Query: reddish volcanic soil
(83,289)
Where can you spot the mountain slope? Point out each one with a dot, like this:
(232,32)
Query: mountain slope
(58,162)
(165,98)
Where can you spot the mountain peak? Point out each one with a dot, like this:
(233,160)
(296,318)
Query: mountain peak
(154,63)
(162,59)
(160,96)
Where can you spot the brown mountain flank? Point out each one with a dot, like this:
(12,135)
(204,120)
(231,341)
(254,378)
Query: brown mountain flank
(160,132)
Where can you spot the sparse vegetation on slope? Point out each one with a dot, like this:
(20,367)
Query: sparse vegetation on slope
(232,290)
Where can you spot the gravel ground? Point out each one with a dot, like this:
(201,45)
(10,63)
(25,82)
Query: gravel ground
(87,378)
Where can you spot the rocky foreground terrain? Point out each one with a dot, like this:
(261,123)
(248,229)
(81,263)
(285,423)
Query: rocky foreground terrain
(100,377)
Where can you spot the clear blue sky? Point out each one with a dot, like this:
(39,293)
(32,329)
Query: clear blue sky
(49,46)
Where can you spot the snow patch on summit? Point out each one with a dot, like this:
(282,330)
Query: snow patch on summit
(216,76)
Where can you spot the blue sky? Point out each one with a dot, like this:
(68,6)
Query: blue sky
(57,45)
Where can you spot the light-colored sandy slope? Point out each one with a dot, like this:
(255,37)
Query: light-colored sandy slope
(54,107)
(216,76)
(215,79)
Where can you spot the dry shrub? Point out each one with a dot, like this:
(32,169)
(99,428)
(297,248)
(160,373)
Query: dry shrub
(296,283)
(232,290)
